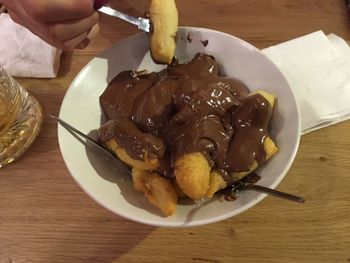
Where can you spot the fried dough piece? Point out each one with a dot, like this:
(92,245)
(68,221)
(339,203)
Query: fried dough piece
(239,175)
(164,18)
(158,190)
(216,183)
(192,175)
(270,150)
(269,144)
(269,97)
(147,164)
(178,190)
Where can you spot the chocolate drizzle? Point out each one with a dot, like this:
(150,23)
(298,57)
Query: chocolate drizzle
(250,122)
(205,43)
(183,109)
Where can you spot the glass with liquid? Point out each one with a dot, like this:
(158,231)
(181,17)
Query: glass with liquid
(20,119)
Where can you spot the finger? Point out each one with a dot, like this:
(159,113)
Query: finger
(91,35)
(73,28)
(74,42)
(35,27)
(99,3)
(93,32)
(55,11)
(42,30)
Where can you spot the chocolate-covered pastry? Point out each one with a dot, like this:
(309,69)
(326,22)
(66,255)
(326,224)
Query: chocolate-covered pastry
(189,112)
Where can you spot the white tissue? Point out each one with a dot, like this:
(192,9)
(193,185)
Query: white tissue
(23,54)
(317,68)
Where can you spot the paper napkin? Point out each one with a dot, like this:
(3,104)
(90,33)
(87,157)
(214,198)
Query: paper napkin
(317,68)
(23,54)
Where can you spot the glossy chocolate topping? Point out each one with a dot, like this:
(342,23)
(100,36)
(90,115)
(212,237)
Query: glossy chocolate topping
(183,109)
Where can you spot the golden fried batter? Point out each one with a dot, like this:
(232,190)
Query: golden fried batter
(269,97)
(158,190)
(270,150)
(269,145)
(216,183)
(179,192)
(164,17)
(192,175)
(148,164)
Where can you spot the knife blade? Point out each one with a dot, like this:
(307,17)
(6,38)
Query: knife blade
(142,23)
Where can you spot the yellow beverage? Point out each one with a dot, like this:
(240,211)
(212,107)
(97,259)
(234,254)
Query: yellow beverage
(9,106)
(20,119)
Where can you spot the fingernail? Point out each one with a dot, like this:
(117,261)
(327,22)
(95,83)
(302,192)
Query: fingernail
(93,32)
(90,36)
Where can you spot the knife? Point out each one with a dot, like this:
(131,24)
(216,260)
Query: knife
(142,23)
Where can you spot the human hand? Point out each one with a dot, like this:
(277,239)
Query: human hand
(66,24)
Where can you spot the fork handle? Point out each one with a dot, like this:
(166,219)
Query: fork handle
(276,193)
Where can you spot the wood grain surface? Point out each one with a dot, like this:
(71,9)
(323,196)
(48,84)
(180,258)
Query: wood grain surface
(46,217)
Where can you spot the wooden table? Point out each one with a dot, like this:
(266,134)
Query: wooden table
(46,217)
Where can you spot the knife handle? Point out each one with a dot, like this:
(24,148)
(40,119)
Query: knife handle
(99,3)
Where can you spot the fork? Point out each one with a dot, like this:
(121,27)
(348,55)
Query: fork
(241,186)
(143,24)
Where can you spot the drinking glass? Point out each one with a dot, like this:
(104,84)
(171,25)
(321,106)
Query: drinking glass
(20,119)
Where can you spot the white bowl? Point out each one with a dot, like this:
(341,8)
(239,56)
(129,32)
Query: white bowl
(113,189)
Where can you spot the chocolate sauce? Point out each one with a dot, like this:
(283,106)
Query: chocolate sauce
(183,109)
(189,38)
(136,143)
(205,43)
(250,122)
